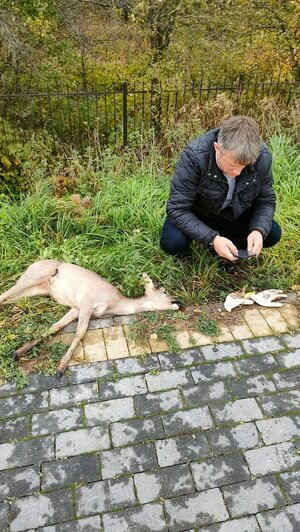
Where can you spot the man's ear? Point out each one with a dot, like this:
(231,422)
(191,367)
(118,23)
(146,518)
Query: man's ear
(216,146)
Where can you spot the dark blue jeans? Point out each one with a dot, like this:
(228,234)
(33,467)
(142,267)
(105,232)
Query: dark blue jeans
(175,242)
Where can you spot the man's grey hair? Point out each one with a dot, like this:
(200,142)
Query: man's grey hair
(240,134)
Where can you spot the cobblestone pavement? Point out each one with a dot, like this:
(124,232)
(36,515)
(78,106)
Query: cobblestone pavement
(206,440)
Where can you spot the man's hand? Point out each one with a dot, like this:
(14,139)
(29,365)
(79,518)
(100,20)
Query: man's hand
(255,242)
(225,248)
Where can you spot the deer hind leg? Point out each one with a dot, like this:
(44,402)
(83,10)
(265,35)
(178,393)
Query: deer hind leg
(83,322)
(33,281)
(65,320)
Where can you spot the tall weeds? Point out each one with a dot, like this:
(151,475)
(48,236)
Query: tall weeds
(118,234)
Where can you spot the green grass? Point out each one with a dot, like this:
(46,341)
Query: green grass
(118,237)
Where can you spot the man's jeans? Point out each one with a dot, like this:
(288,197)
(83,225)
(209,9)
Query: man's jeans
(175,242)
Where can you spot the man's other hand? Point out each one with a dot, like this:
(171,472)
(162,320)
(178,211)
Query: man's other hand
(225,248)
(255,242)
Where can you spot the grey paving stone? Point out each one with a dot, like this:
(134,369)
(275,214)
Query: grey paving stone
(252,496)
(256,364)
(164,483)
(24,404)
(4,517)
(195,510)
(128,460)
(279,429)
(136,431)
(71,395)
(125,387)
(87,524)
(77,469)
(97,323)
(103,496)
(187,421)
(220,471)
(158,402)
(267,344)
(105,411)
(133,365)
(8,388)
(245,524)
(124,320)
(57,421)
(145,518)
(201,394)
(44,382)
(291,484)
(251,386)
(14,429)
(39,510)
(26,453)
(82,441)
(182,449)
(280,403)
(286,519)
(101,323)
(19,482)
(90,372)
(237,438)
(289,360)
(289,379)
(220,351)
(213,371)
(188,357)
(292,340)
(237,411)
(168,379)
(272,459)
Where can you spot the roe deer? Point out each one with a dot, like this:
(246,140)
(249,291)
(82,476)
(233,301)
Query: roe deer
(86,293)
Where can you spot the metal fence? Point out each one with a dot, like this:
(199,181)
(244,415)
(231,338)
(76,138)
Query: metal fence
(103,116)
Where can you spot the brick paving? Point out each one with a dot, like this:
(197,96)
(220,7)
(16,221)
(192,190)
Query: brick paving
(206,439)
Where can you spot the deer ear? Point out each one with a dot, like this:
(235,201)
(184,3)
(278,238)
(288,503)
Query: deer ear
(149,286)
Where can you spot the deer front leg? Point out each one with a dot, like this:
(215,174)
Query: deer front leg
(83,322)
(65,320)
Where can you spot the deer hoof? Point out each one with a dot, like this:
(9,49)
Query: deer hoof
(59,373)
(15,356)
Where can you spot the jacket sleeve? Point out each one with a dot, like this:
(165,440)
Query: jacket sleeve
(263,207)
(183,196)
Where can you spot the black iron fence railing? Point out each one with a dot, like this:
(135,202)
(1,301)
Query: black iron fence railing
(103,116)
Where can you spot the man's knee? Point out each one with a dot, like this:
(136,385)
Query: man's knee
(174,248)
(274,235)
(173,241)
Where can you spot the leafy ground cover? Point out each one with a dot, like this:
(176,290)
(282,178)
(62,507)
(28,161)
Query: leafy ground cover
(115,232)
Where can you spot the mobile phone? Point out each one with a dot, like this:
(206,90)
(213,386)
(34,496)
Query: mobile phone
(244,254)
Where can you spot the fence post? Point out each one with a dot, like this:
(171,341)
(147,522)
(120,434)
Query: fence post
(124,113)
(239,92)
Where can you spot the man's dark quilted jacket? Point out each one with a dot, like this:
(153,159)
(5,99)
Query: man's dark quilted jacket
(199,189)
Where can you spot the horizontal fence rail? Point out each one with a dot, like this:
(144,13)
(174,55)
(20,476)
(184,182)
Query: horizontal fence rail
(113,115)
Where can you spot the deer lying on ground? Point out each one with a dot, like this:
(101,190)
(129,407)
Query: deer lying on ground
(86,293)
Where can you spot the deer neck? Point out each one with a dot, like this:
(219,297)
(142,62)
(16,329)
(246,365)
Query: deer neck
(134,305)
